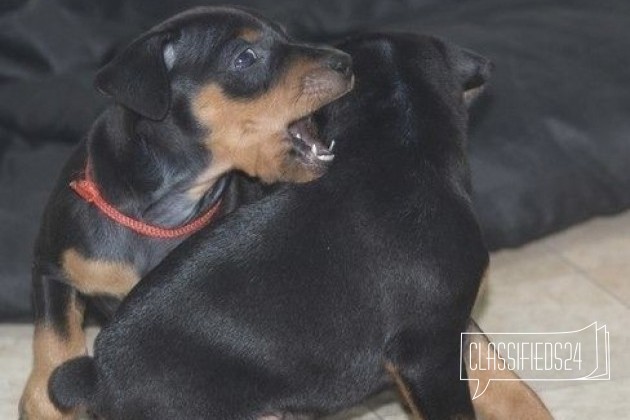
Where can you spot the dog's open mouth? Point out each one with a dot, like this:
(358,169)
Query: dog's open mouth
(307,143)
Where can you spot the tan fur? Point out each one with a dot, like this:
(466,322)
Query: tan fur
(97,277)
(251,134)
(91,277)
(49,351)
(250,35)
(512,399)
(404,391)
(207,179)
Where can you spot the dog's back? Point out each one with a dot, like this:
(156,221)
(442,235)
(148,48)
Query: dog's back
(305,300)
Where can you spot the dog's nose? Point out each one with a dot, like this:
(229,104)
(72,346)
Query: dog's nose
(341,63)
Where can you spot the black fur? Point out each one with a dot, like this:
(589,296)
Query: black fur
(147,151)
(297,302)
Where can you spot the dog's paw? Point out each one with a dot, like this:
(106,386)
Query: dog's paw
(36,405)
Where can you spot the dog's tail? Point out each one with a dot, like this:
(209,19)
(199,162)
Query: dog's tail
(73,384)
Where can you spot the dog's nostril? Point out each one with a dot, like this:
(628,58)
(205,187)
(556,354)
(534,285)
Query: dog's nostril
(341,63)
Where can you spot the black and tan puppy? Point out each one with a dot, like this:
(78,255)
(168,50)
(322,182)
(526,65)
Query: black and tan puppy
(209,91)
(310,300)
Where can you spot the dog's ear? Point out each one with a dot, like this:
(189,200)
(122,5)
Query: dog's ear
(473,71)
(138,77)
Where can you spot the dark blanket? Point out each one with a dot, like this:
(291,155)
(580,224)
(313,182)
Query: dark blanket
(550,142)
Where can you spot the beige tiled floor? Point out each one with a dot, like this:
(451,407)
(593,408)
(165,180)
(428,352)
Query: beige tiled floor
(560,283)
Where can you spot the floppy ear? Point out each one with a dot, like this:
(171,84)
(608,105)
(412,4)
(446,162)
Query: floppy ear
(138,77)
(473,71)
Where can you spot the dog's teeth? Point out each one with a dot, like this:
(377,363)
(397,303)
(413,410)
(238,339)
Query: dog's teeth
(326,158)
(314,149)
(332,146)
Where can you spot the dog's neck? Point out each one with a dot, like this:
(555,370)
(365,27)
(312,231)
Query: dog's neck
(372,127)
(147,170)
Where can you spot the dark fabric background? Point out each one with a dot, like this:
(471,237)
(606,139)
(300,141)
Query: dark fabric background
(550,142)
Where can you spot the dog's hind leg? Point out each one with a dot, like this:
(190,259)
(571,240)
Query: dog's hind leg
(403,390)
(58,337)
(508,398)
(429,377)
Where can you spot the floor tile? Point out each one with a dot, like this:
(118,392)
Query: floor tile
(387,406)
(601,400)
(356,413)
(535,289)
(601,249)
(556,303)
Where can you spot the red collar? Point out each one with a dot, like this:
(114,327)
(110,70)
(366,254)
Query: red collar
(88,190)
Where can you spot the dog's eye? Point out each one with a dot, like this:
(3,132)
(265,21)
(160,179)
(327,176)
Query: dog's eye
(245,59)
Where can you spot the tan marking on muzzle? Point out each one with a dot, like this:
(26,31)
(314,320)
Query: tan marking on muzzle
(251,134)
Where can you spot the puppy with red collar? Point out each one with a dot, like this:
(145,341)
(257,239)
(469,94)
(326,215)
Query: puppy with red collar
(208,92)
